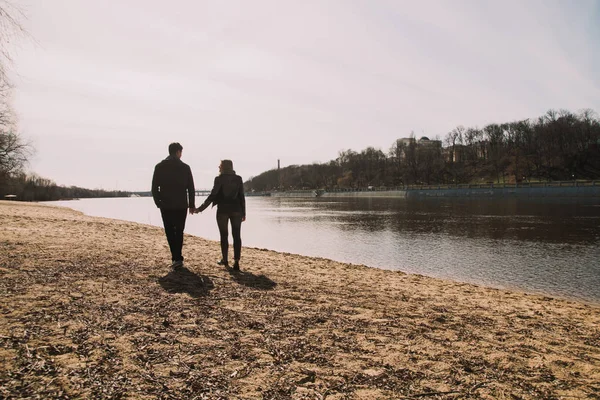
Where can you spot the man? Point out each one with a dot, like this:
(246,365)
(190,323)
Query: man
(172,178)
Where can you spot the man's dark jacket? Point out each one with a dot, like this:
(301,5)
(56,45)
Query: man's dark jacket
(228,194)
(173,185)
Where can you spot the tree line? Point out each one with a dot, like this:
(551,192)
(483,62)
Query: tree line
(31,187)
(559,145)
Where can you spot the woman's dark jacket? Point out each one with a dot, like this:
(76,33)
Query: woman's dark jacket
(227,194)
(173,185)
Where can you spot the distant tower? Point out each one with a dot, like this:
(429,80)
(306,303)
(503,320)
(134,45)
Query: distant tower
(279,173)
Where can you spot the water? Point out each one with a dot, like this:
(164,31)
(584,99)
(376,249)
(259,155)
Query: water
(543,246)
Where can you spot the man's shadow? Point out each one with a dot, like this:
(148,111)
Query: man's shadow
(182,280)
(250,280)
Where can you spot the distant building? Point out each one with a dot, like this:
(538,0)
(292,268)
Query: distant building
(404,143)
(424,141)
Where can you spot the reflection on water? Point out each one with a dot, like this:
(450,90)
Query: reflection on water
(506,220)
(536,245)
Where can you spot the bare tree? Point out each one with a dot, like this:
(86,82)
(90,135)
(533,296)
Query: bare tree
(10,29)
(14,151)
(454,138)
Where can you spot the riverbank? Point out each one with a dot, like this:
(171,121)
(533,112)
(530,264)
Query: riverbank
(91,309)
(570,189)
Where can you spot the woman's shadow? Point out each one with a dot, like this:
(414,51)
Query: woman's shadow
(182,280)
(250,280)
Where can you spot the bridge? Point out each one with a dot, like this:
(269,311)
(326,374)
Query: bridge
(199,193)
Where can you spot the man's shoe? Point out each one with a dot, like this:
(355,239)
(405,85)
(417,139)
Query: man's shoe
(236,265)
(223,262)
(177,264)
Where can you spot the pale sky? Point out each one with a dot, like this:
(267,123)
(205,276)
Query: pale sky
(102,87)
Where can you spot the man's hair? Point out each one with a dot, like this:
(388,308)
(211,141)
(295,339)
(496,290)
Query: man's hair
(174,148)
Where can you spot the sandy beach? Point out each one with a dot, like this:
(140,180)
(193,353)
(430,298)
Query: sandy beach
(91,309)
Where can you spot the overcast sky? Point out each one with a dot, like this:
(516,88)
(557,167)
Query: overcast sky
(102,87)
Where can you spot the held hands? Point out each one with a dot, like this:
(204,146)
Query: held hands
(197,211)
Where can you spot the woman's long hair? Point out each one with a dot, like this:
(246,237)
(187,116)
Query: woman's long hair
(227,167)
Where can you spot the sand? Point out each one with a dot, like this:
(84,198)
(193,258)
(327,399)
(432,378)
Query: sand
(91,309)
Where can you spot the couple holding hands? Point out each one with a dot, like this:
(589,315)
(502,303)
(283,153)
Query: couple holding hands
(174,194)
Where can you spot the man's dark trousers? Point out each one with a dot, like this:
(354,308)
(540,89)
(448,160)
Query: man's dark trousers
(174,222)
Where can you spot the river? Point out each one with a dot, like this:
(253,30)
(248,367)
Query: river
(541,246)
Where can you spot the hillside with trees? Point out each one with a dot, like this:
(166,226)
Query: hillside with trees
(560,145)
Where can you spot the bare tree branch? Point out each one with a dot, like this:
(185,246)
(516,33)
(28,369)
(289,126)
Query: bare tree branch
(14,152)
(10,29)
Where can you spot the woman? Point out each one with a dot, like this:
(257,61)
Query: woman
(228,194)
